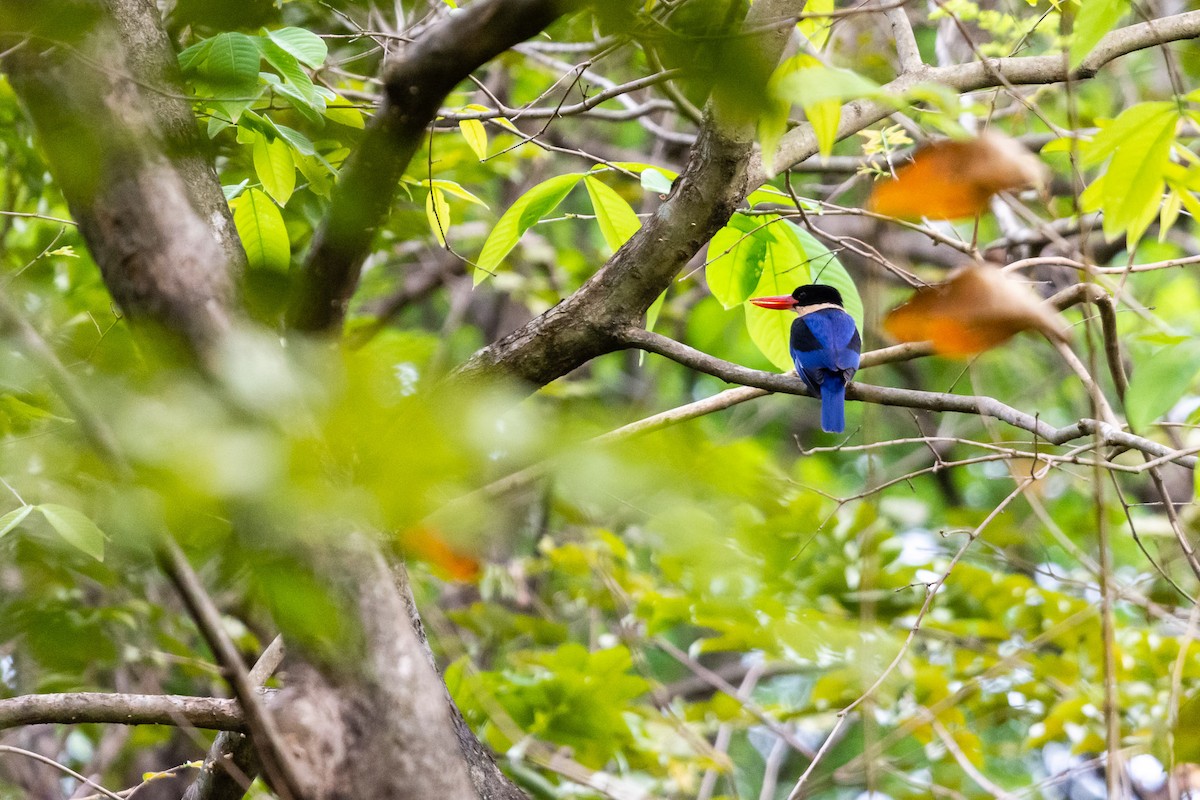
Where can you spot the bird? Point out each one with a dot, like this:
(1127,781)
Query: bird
(825,346)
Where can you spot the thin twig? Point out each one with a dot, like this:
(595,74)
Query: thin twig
(259,723)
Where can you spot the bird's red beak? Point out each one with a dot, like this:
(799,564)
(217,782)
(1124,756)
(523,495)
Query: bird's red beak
(781,302)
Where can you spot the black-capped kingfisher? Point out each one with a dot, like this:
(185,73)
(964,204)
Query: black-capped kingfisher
(825,346)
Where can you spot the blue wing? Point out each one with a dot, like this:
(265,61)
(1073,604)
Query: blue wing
(825,342)
(825,347)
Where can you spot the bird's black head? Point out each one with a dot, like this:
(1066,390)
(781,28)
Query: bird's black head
(815,293)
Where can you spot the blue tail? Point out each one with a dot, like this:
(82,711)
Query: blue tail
(833,404)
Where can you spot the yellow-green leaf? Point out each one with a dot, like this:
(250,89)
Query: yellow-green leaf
(476,136)
(13,518)
(75,529)
(261,228)
(342,115)
(437,211)
(617,219)
(527,210)
(1094,20)
(275,167)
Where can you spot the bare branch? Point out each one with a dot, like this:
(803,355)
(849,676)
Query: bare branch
(259,723)
(904,398)
(801,143)
(76,708)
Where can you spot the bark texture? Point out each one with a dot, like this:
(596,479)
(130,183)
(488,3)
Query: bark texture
(123,146)
(151,211)
(701,201)
(377,723)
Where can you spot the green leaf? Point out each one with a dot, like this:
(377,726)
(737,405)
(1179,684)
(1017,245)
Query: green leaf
(820,91)
(825,116)
(618,221)
(275,167)
(1095,19)
(452,188)
(231,60)
(653,312)
(1126,127)
(1134,182)
(1159,381)
(295,138)
(527,210)
(437,211)
(13,518)
(306,46)
(350,117)
(261,228)
(784,267)
(825,268)
(75,529)
(476,136)
(736,255)
(302,91)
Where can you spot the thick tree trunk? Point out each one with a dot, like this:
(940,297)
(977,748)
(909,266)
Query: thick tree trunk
(123,146)
(150,208)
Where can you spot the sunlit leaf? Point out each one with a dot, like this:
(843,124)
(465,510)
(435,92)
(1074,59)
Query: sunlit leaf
(520,217)
(476,136)
(306,46)
(1094,20)
(14,518)
(350,117)
(437,211)
(618,221)
(261,228)
(275,168)
(75,529)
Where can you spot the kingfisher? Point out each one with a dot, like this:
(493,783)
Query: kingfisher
(825,346)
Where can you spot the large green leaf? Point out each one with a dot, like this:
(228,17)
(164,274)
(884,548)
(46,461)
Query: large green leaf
(1138,146)
(297,85)
(229,60)
(825,268)
(1128,124)
(618,221)
(1159,381)
(520,217)
(75,529)
(306,46)
(261,228)
(736,256)
(275,167)
(1095,18)
(784,267)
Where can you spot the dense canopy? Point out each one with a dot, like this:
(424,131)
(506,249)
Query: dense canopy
(382,413)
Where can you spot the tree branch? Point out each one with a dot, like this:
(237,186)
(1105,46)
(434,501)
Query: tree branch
(702,200)
(259,723)
(801,143)
(414,86)
(231,763)
(76,708)
(903,398)
(125,151)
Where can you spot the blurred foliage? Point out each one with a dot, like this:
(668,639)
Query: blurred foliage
(560,608)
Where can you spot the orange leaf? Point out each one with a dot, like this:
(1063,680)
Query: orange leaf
(975,309)
(952,179)
(447,561)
